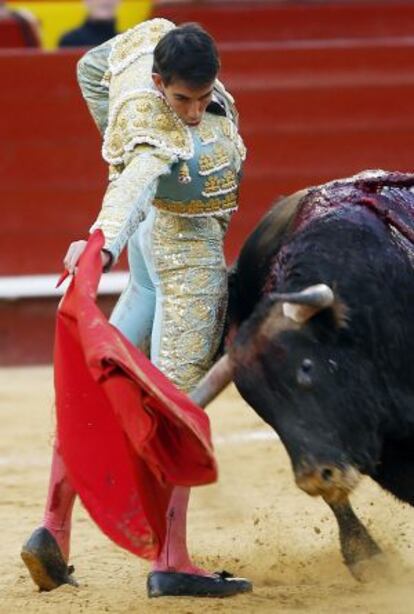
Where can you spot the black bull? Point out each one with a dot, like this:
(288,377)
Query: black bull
(321,340)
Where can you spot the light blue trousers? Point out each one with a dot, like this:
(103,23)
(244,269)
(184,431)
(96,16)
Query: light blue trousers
(174,305)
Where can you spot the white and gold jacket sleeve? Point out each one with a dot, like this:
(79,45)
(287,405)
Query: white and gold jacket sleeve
(134,185)
(128,198)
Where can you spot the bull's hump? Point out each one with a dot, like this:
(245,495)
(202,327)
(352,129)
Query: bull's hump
(373,179)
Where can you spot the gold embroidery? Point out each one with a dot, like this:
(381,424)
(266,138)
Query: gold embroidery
(227,129)
(145,117)
(128,47)
(116,140)
(216,185)
(143,106)
(241,147)
(138,113)
(198,207)
(215,161)
(120,207)
(123,122)
(162,121)
(137,41)
(229,180)
(184,173)
(188,259)
(114,171)
(141,122)
(178,138)
(129,78)
(206,133)
(212,184)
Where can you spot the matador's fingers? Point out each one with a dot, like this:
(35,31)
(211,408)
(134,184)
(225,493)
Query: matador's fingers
(73,254)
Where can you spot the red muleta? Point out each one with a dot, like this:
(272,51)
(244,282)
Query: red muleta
(126,433)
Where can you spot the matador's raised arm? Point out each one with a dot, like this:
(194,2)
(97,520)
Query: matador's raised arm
(91,70)
(134,181)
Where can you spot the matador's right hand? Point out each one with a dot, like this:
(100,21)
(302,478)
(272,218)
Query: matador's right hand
(76,250)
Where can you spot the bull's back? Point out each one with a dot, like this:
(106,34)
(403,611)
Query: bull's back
(387,196)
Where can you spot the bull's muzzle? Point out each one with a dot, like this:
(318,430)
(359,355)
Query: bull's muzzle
(332,483)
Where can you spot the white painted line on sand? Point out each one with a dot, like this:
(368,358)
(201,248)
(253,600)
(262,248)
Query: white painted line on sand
(241,437)
(245,437)
(18,461)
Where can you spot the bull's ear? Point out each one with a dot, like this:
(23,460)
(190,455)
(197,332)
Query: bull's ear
(304,305)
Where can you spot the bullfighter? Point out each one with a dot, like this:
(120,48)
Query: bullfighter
(171,139)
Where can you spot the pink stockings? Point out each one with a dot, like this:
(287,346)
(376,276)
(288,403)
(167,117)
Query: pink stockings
(174,555)
(59,503)
(58,513)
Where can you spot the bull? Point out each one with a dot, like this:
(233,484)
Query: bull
(321,341)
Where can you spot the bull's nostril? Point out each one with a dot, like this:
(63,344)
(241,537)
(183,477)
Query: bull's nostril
(326,474)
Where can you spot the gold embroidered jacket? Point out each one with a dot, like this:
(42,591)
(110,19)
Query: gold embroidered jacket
(154,158)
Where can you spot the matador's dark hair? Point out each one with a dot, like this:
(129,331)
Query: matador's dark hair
(187,53)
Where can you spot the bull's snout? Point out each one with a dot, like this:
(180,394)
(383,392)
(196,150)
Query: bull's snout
(332,483)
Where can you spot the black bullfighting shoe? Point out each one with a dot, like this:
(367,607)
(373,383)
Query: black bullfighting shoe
(43,558)
(175,584)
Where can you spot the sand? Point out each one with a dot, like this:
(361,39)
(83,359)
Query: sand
(253,522)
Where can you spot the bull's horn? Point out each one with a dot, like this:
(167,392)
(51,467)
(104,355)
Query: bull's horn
(216,380)
(301,306)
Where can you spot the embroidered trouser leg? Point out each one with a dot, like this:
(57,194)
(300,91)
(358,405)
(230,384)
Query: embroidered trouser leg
(191,295)
(187,263)
(178,291)
(184,262)
(176,294)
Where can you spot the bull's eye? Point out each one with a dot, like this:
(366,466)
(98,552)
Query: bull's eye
(304,373)
(307,365)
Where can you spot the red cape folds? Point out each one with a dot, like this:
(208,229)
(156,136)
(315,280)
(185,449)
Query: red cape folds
(126,433)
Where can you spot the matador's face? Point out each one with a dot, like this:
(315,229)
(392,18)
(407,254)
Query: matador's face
(188,102)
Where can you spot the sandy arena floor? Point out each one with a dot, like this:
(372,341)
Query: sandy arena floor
(253,522)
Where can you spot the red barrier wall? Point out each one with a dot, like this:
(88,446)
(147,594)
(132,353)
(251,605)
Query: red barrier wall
(52,178)
(300,20)
(309,112)
(27,329)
